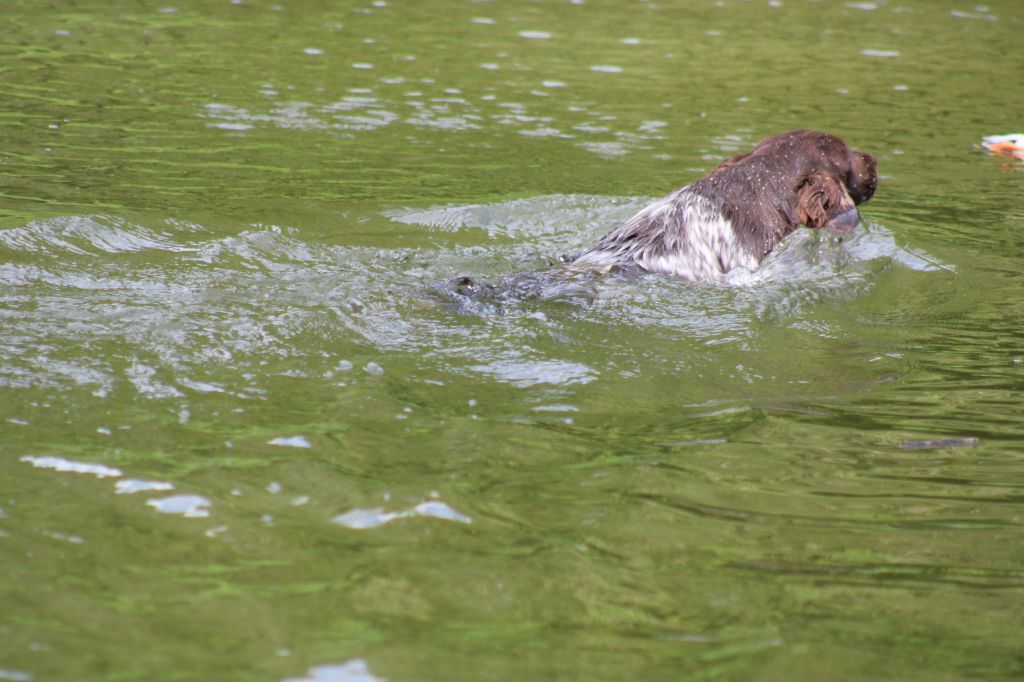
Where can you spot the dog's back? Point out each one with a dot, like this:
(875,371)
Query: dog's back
(683,234)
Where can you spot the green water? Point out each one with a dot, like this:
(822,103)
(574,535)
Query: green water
(225,230)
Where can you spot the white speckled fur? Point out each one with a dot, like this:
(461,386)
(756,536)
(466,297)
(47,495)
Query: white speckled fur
(689,239)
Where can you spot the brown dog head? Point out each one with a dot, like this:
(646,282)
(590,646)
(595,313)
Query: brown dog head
(830,179)
(817,180)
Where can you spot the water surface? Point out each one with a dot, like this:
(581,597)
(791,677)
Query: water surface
(247,433)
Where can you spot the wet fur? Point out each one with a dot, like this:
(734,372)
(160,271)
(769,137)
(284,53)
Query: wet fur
(736,214)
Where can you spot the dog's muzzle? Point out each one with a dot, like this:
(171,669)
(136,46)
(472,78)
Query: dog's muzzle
(845,221)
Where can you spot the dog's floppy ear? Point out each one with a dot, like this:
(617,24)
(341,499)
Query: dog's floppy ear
(819,197)
(863,177)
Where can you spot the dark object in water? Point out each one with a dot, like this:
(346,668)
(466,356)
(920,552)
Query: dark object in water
(940,443)
(473,296)
(736,214)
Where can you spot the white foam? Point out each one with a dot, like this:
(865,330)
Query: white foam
(361,519)
(355,670)
(61,464)
(192,506)
(129,486)
(291,442)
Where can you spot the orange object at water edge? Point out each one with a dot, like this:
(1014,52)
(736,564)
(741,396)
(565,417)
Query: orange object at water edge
(1005,145)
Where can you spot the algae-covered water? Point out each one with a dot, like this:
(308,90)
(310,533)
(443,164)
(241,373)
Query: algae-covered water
(246,433)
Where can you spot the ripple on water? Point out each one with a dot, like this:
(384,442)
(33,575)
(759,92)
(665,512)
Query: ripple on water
(15,675)
(609,149)
(291,442)
(361,519)
(86,235)
(129,486)
(304,116)
(190,506)
(552,217)
(980,13)
(66,465)
(454,114)
(242,299)
(355,670)
(524,372)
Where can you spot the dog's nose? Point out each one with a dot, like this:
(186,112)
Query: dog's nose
(845,221)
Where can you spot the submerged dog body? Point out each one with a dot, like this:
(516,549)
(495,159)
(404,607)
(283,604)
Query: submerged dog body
(736,214)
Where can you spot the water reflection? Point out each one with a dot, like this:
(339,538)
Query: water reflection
(291,441)
(443,112)
(189,506)
(134,485)
(361,519)
(64,465)
(663,481)
(355,670)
